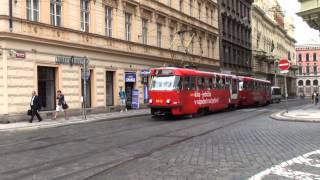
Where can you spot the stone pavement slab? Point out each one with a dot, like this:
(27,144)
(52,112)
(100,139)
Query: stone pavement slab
(306,113)
(49,123)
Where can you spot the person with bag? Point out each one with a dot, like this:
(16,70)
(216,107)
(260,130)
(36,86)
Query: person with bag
(35,107)
(62,106)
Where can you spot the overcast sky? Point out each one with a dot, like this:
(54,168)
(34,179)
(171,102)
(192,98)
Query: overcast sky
(303,33)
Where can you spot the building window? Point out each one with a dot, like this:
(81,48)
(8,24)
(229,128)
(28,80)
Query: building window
(171,36)
(200,45)
(308,69)
(208,47)
(300,70)
(315,69)
(181,5)
(55,12)
(159,27)
(315,82)
(190,7)
(308,83)
(199,10)
(144,31)
(314,56)
(169,3)
(307,57)
(128,26)
(84,5)
(300,57)
(211,17)
(300,83)
(207,15)
(108,21)
(33,10)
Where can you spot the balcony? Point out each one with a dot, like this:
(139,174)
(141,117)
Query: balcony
(310,12)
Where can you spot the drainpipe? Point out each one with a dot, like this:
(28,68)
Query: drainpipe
(10,15)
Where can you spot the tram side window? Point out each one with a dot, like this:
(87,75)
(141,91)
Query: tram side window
(223,82)
(200,83)
(214,83)
(234,86)
(192,83)
(218,83)
(208,83)
(185,83)
(228,82)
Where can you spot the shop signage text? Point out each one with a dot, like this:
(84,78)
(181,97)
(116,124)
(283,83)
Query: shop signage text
(130,77)
(72,60)
(20,55)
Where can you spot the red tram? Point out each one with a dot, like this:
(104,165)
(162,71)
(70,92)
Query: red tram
(181,91)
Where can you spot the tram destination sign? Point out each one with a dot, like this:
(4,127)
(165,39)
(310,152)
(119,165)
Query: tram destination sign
(72,60)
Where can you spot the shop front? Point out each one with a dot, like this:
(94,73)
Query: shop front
(130,81)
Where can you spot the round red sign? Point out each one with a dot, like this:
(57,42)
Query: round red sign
(284,65)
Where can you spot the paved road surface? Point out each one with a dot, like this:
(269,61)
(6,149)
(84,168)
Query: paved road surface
(225,145)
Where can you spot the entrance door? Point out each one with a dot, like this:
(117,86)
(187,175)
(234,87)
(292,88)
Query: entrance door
(88,90)
(128,90)
(109,88)
(46,88)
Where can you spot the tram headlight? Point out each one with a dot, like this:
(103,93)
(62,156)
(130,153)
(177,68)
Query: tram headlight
(168,101)
(150,101)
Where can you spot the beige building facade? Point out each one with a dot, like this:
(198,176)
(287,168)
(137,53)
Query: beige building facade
(272,40)
(42,42)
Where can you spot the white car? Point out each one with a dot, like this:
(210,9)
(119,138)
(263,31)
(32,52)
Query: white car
(276,94)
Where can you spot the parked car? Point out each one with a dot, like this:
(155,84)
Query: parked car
(276,94)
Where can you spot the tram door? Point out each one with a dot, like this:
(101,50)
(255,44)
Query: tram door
(234,88)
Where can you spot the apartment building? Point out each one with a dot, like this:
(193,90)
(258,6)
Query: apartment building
(43,44)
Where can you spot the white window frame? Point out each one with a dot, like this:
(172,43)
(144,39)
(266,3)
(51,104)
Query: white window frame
(144,31)
(32,11)
(108,20)
(128,24)
(83,12)
(56,4)
(159,34)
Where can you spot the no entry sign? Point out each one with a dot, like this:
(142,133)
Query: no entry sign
(284,65)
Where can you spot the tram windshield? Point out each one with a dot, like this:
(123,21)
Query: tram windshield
(165,83)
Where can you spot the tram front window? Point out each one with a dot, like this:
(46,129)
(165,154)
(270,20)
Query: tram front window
(166,83)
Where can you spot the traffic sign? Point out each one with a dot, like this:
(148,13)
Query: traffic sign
(284,65)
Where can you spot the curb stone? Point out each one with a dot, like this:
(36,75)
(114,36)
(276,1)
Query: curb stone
(63,123)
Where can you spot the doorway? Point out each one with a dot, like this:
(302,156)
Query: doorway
(46,87)
(109,88)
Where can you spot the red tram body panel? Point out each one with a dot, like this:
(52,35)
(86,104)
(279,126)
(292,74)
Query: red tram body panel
(181,91)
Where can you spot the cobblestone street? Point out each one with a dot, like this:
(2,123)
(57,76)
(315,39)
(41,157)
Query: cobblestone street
(225,145)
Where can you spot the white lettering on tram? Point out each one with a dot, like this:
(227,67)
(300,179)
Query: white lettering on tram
(206,101)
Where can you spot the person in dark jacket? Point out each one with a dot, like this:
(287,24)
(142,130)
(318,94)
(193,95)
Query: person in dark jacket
(35,106)
(59,108)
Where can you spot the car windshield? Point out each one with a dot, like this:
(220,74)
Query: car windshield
(276,91)
(165,83)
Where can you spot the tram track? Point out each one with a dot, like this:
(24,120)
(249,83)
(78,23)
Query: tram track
(27,171)
(44,166)
(113,165)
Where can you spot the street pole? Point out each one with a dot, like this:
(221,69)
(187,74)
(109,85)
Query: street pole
(84,70)
(286,91)
(275,72)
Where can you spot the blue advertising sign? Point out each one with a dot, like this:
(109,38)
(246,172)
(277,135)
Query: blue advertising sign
(130,77)
(146,93)
(135,99)
(145,73)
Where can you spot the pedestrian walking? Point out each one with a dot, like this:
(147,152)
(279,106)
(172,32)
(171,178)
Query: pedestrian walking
(35,107)
(122,95)
(62,106)
(316,98)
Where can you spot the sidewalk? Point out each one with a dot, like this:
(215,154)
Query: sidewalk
(306,113)
(49,123)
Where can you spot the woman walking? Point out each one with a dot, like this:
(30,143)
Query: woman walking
(61,105)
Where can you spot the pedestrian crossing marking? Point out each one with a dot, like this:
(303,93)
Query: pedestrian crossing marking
(284,170)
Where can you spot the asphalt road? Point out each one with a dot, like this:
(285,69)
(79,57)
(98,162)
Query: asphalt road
(224,145)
